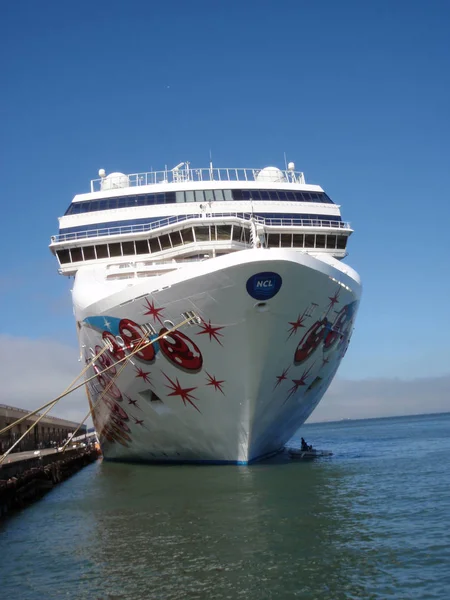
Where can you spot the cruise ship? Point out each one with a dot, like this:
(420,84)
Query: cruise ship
(237,275)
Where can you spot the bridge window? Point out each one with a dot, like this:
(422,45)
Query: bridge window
(63,256)
(102,251)
(154,245)
(89,253)
(115,250)
(273,240)
(199,196)
(201,234)
(320,241)
(76,254)
(141,246)
(128,248)
(223,232)
(341,242)
(331,241)
(218,195)
(188,236)
(237,233)
(209,196)
(286,240)
(190,196)
(175,237)
(164,240)
(309,240)
(298,240)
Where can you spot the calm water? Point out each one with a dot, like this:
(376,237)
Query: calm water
(371,522)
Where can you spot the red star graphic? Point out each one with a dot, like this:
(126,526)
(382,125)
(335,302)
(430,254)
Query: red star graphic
(299,382)
(153,311)
(281,377)
(296,324)
(143,374)
(211,331)
(334,299)
(138,421)
(130,401)
(217,384)
(184,393)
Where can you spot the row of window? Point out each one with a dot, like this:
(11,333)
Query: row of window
(276,219)
(208,233)
(195,196)
(306,240)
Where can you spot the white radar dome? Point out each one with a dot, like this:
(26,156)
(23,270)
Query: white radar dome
(114,181)
(272,174)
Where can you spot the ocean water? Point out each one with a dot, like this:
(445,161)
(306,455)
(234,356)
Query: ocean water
(373,521)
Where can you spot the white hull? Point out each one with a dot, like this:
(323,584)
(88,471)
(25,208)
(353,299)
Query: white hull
(249,375)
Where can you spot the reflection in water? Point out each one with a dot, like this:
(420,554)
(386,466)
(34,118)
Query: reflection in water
(261,531)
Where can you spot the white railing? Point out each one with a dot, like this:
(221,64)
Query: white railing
(127,229)
(179,175)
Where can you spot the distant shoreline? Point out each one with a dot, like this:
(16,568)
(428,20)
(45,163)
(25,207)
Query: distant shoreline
(344,420)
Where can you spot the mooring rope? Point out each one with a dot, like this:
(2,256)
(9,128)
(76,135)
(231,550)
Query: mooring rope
(138,348)
(48,407)
(55,400)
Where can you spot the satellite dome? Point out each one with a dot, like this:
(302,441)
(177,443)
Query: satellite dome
(114,181)
(272,174)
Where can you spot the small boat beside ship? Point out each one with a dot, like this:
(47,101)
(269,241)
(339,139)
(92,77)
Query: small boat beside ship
(298,453)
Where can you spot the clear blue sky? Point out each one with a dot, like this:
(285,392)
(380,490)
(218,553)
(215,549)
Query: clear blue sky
(356,93)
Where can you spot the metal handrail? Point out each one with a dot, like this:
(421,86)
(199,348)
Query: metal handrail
(181,175)
(124,229)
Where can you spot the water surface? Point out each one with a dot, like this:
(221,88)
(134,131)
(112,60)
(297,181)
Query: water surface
(370,522)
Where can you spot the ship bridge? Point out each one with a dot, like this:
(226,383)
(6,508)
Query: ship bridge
(161,219)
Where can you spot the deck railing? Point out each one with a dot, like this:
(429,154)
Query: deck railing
(186,174)
(127,229)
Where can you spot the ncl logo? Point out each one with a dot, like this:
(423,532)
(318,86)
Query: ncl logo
(263,286)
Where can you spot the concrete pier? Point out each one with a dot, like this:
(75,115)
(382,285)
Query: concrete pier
(28,478)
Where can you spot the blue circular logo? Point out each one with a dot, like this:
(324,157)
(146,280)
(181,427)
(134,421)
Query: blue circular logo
(263,286)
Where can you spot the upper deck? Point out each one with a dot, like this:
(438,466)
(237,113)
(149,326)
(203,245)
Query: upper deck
(182,173)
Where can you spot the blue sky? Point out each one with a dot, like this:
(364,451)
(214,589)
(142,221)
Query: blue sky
(356,93)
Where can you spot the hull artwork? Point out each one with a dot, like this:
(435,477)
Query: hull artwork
(234,386)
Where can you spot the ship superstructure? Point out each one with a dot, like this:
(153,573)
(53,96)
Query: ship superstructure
(254,256)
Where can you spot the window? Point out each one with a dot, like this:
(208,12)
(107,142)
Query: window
(76,254)
(237,232)
(199,197)
(154,245)
(89,253)
(246,235)
(175,237)
(320,241)
(209,196)
(115,250)
(298,239)
(341,242)
(164,240)
(202,234)
(331,241)
(128,248)
(102,251)
(190,197)
(223,232)
(63,256)
(309,241)
(227,195)
(188,236)
(286,240)
(180,196)
(218,195)
(141,246)
(273,240)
